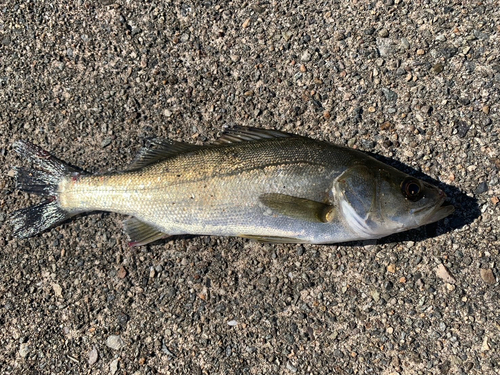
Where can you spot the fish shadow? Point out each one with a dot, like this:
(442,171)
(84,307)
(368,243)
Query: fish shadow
(466,208)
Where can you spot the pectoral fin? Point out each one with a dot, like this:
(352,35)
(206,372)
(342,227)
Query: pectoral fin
(141,233)
(299,208)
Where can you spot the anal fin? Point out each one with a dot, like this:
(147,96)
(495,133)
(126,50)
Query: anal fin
(141,233)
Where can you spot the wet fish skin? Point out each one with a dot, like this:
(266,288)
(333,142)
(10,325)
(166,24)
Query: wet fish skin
(253,183)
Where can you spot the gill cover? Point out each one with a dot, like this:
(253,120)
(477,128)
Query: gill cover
(357,192)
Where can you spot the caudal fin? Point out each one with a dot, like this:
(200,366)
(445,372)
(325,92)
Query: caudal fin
(43,179)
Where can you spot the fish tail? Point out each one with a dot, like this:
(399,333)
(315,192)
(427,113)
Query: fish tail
(42,179)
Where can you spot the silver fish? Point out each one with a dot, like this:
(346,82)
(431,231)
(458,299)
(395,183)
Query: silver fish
(253,183)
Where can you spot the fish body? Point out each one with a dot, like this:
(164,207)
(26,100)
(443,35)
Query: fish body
(254,183)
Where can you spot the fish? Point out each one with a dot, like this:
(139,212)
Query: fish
(254,183)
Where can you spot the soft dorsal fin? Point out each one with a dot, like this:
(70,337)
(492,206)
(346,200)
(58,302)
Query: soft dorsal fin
(141,233)
(158,149)
(299,208)
(237,134)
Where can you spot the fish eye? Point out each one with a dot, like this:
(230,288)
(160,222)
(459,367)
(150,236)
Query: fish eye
(411,189)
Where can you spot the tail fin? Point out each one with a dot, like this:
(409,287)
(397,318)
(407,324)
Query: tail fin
(43,180)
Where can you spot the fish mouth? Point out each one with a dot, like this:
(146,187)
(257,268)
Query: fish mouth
(441,210)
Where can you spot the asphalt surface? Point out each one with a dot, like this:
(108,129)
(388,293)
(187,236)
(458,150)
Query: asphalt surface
(417,83)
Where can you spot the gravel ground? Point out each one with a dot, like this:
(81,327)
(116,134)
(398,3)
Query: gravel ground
(416,82)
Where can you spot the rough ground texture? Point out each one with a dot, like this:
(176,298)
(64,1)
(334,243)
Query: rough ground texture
(417,82)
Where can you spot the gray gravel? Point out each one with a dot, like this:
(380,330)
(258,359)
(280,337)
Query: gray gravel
(417,83)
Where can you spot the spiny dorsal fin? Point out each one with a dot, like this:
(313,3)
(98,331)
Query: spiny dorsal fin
(299,208)
(141,233)
(158,149)
(237,134)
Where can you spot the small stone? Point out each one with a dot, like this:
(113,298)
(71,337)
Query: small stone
(481,188)
(93,356)
(420,52)
(383,33)
(339,36)
(443,274)
(167,113)
(419,117)
(232,323)
(391,268)
(389,94)
(113,366)
(405,43)
(495,200)
(306,56)
(326,115)
(24,350)
(485,346)
(371,109)
(57,290)
(291,367)
(122,272)
(303,68)
(437,68)
(115,342)
(369,31)
(486,109)
(375,295)
(106,142)
(246,23)
(487,276)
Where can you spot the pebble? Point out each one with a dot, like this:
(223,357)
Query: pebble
(115,342)
(375,295)
(405,43)
(246,23)
(291,367)
(391,268)
(57,290)
(487,276)
(443,274)
(389,94)
(485,346)
(420,52)
(486,109)
(437,68)
(113,366)
(24,350)
(481,188)
(383,33)
(339,36)
(232,323)
(93,356)
(106,142)
(122,272)
(306,56)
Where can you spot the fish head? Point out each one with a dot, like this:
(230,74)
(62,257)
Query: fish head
(377,200)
